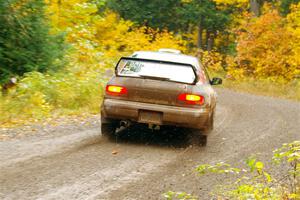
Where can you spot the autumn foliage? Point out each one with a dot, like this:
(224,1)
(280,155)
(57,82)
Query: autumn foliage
(266,49)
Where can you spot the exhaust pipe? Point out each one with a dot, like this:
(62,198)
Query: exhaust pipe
(124,124)
(154,127)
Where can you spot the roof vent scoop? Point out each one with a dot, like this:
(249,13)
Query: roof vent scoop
(175,51)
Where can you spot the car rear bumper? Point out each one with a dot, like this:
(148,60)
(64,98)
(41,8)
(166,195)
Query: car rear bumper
(170,115)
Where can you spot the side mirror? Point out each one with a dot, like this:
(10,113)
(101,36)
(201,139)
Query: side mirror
(216,81)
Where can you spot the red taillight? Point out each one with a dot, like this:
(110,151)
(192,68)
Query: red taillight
(191,98)
(115,90)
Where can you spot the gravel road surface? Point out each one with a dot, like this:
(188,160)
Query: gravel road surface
(74,162)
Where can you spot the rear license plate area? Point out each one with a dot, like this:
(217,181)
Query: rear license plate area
(150,117)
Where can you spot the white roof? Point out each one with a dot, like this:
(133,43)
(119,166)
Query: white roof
(169,57)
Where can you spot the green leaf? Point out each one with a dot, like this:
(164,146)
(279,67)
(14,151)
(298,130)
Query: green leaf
(259,166)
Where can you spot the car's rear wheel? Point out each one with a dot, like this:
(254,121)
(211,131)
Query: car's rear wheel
(108,127)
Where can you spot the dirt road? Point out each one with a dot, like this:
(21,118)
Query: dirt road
(79,164)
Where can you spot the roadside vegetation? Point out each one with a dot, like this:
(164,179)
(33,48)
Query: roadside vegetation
(54,55)
(278,180)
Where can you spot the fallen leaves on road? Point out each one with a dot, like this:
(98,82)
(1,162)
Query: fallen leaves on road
(114,152)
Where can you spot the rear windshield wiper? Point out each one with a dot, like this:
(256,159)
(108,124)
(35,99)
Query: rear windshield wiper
(155,77)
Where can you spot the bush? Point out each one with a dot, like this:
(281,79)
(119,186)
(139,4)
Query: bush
(267,49)
(255,181)
(42,95)
(25,42)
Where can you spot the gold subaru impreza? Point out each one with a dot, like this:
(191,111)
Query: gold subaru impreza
(163,88)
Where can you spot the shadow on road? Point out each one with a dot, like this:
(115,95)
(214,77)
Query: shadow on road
(167,136)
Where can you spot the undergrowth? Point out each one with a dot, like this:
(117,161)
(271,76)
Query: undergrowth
(39,96)
(279,180)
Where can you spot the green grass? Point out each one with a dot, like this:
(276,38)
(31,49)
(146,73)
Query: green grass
(290,90)
(41,96)
(266,88)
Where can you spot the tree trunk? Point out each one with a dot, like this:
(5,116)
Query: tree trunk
(200,35)
(207,39)
(255,7)
(211,41)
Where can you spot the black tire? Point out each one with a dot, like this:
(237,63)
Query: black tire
(197,138)
(108,127)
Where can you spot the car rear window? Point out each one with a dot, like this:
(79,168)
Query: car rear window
(176,72)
